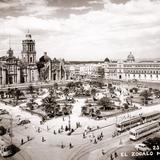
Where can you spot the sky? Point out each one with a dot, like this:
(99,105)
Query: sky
(82,29)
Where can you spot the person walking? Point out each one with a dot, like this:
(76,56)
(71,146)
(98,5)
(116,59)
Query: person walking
(43,139)
(22,142)
(111,157)
(62,146)
(54,132)
(47,128)
(70,145)
(115,155)
(103,153)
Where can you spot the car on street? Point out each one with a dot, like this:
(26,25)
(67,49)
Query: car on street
(2,131)
(142,147)
(23,122)
(3,111)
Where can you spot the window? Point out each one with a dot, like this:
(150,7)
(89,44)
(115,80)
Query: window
(30,59)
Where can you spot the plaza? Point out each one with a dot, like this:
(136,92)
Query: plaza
(50,137)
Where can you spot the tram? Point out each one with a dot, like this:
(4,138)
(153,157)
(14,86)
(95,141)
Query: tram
(128,124)
(148,117)
(133,122)
(144,130)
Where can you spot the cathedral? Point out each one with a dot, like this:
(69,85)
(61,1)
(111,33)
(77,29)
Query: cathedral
(27,70)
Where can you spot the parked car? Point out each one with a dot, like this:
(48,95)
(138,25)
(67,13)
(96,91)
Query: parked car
(3,111)
(2,131)
(142,147)
(23,122)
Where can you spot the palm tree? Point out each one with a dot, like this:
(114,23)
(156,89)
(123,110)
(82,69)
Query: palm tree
(66,92)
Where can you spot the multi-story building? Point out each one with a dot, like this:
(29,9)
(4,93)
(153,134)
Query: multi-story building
(131,69)
(85,70)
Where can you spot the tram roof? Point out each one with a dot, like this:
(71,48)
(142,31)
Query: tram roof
(141,127)
(150,113)
(128,120)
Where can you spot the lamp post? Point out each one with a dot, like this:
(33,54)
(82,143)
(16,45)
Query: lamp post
(10,129)
(69,123)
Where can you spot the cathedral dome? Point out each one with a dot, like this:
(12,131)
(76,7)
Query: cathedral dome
(130,57)
(107,60)
(45,58)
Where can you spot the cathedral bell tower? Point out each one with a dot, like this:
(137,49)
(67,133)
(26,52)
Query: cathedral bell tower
(29,71)
(28,50)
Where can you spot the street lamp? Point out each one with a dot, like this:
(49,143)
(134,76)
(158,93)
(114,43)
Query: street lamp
(69,122)
(11,133)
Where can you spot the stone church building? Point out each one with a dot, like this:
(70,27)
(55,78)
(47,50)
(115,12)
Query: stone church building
(27,70)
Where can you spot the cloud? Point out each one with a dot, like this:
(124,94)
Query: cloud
(112,31)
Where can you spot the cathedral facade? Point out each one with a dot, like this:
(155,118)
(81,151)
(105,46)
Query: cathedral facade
(27,70)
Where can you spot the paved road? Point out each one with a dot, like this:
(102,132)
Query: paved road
(86,151)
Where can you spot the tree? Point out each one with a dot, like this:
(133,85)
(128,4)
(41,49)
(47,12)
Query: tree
(50,105)
(66,109)
(84,110)
(145,94)
(30,89)
(105,102)
(66,92)
(18,93)
(12,92)
(87,92)
(2,94)
(91,111)
(135,90)
(157,93)
(93,92)
(9,92)
(70,85)
(55,85)
(125,106)
(98,112)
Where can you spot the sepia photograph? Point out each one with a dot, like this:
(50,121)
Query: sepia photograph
(79,79)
